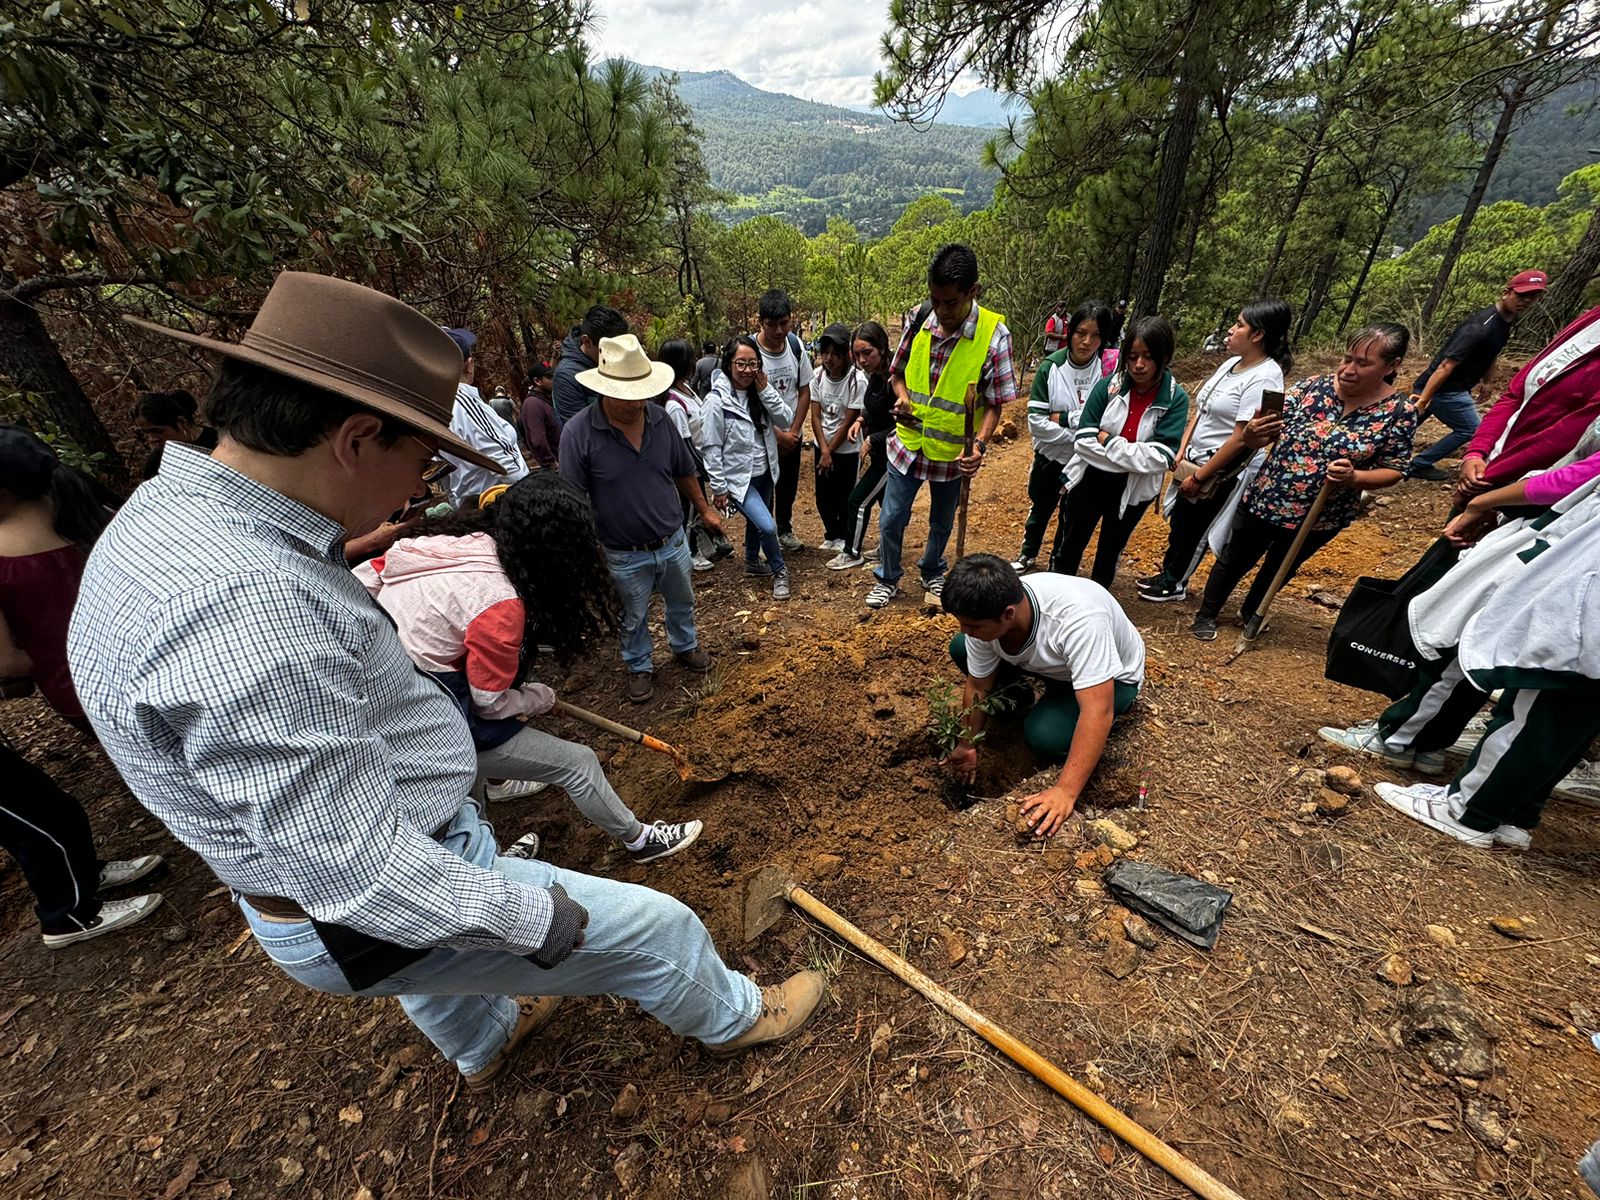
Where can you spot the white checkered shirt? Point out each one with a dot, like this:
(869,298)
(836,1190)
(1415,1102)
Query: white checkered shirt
(258,701)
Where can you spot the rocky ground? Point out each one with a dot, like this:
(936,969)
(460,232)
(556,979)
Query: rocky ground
(1386,1013)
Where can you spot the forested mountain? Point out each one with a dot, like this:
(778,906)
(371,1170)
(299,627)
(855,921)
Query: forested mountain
(806,162)
(981,109)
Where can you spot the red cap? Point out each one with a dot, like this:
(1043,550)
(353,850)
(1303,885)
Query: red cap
(1524,282)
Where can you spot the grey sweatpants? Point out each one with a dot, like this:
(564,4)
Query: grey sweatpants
(544,758)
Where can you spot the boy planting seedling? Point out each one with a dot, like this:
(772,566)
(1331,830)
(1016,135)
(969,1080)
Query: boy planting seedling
(1071,634)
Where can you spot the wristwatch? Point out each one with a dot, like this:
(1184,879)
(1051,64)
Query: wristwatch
(981,446)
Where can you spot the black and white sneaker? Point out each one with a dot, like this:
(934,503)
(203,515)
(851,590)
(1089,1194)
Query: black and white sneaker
(1162,592)
(124,871)
(1150,581)
(1022,563)
(526,846)
(1204,628)
(114,915)
(934,587)
(662,840)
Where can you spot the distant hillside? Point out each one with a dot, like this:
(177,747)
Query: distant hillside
(981,109)
(1549,145)
(807,162)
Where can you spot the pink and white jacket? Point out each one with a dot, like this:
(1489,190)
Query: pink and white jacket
(460,620)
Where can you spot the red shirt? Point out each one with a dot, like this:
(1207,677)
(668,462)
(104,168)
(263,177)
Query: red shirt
(37,592)
(1138,403)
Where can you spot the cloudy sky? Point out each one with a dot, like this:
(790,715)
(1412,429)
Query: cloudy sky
(825,50)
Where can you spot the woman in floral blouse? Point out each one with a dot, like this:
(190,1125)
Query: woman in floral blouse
(1350,429)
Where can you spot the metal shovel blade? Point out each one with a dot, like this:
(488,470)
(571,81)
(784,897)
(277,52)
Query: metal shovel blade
(766,897)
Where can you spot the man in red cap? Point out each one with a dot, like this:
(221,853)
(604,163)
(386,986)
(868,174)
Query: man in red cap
(1444,390)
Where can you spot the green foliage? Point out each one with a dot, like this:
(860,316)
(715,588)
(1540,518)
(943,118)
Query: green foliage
(947,716)
(31,412)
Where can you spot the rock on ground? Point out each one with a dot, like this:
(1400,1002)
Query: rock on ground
(1442,1026)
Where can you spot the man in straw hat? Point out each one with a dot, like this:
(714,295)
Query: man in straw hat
(624,454)
(261,705)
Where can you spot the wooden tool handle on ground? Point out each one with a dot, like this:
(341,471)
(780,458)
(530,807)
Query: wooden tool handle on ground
(966,480)
(1181,1168)
(610,726)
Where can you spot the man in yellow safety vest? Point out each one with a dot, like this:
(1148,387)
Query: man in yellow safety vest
(952,343)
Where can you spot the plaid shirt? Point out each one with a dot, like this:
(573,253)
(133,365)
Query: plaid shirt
(997,385)
(258,701)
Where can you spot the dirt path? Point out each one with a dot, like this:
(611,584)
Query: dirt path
(175,1061)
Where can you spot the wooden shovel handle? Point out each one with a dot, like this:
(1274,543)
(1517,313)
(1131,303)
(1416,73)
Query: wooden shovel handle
(614,727)
(1180,1167)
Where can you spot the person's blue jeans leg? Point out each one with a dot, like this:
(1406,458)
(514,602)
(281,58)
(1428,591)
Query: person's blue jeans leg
(639,944)
(673,564)
(761,529)
(899,493)
(1456,410)
(943,498)
(634,572)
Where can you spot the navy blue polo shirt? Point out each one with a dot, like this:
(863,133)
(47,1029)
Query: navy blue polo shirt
(634,492)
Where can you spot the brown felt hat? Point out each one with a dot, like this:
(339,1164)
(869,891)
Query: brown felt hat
(357,343)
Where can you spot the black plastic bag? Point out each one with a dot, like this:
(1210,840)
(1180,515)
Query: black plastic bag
(1190,908)
(1371,646)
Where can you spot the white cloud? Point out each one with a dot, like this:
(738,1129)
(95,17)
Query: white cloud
(825,50)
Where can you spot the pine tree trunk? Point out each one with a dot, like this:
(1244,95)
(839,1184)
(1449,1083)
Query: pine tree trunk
(1128,264)
(30,360)
(1302,185)
(1372,250)
(1177,146)
(1564,297)
(1320,283)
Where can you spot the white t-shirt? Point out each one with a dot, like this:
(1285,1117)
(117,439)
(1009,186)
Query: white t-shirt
(1080,635)
(1227,398)
(684,410)
(784,373)
(838,398)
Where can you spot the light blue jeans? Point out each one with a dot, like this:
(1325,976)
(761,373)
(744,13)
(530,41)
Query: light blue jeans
(899,493)
(1456,410)
(640,944)
(638,573)
(760,527)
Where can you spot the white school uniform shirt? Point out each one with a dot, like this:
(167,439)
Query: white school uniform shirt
(1080,636)
(1069,386)
(839,399)
(1227,398)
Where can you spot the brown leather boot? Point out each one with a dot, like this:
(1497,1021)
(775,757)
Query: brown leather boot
(785,1009)
(536,1010)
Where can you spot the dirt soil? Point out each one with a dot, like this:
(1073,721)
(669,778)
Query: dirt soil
(1360,1030)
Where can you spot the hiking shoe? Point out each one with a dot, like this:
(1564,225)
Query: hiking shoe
(1022,563)
(785,1009)
(1364,738)
(1429,804)
(662,840)
(1161,593)
(526,846)
(934,587)
(844,561)
(789,542)
(696,659)
(1204,628)
(1431,474)
(1582,784)
(780,585)
(114,914)
(535,1011)
(701,563)
(881,594)
(125,870)
(512,789)
(833,544)
(1512,837)
(757,568)
(641,687)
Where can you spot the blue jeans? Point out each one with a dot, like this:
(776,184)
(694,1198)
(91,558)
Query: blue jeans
(1457,411)
(899,493)
(760,528)
(637,574)
(639,944)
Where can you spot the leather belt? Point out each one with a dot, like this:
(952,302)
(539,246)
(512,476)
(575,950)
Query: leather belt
(276,906)
(645,547)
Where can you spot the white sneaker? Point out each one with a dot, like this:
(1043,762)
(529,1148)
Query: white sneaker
(1022,563)
(832,544)
(526,846)
(789,542)
(844,560)
(882,594)
(873,555)
(1581,784)
(512,789)
(1365,739)
(780,585)
(1512,837)
(1470,736)
(934,587)
(114,914)
(701,563)
(125,870)
(1429,804)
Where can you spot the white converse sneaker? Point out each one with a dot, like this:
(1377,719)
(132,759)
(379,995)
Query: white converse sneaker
(844,561)
(1429,804)
(1512,837)
(701,563)
(882,595)
(662,840)
(114,914)
(512,789)
(124,871)
(1365,739)
(1581,784)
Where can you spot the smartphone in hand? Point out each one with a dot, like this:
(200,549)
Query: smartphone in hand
(1271,404)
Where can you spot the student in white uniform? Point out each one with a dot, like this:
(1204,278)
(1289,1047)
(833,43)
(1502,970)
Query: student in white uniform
(1213,456)
(1069,632)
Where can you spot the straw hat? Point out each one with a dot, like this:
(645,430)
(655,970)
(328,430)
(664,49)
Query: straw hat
(357,343)
(626,372)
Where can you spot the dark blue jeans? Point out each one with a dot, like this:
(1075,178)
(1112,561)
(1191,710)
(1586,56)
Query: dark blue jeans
(899,493)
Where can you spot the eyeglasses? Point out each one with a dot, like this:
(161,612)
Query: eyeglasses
(746,364)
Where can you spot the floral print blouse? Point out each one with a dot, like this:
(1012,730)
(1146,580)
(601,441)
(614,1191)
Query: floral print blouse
(1316,431)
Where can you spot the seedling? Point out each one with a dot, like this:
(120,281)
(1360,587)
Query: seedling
(947,718)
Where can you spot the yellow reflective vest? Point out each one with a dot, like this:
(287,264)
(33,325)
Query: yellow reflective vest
(942,410)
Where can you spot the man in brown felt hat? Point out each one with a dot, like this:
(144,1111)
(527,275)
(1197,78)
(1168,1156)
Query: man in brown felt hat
(261,705)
